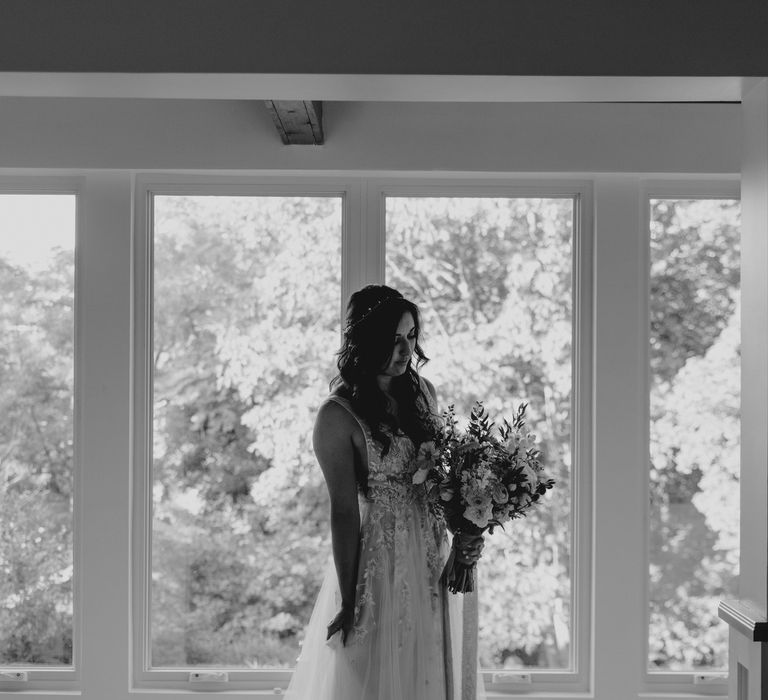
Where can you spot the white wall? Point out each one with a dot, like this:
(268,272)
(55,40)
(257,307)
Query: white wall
(753,574)
(145,134)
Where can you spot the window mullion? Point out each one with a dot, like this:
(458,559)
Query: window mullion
(356,237)
(105,448)
(620,463)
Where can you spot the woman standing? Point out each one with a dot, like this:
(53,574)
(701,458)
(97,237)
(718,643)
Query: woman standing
(394,631)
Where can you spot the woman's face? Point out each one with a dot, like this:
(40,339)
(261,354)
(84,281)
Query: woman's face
(403,345)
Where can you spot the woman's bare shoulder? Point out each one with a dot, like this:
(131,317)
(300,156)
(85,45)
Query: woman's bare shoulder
(332,415)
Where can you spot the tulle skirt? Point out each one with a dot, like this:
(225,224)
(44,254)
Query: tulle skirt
(406,640)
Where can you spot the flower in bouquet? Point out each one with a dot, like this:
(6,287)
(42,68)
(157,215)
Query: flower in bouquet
(478,481)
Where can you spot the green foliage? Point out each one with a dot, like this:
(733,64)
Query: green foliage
(247,299)
(493,280)
(695,411)
(247,295)
(36,451)
(695,278)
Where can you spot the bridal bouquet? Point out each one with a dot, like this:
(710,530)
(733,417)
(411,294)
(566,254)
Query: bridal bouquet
(478,481)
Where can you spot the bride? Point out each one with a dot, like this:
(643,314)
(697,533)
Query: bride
(383,626)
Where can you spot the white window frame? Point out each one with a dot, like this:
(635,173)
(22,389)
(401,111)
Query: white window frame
(611,508)
(708,683)
(143,676)
(363,246)
(576,678)
(67,678)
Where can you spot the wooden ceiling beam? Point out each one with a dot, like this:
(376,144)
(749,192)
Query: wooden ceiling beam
(298,122)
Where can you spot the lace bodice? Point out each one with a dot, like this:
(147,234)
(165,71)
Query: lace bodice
(396,523)
(392,472)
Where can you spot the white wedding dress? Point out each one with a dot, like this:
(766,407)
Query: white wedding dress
(408,639)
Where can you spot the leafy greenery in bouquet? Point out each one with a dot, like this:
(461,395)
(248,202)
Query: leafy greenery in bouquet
(478,481)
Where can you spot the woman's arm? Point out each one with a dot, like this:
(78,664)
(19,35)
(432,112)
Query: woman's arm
(332,442)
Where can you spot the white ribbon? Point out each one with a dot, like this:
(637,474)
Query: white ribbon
(469,645)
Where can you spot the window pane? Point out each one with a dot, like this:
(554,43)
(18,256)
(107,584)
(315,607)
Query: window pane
(37,270)
(246,323)
(694,429)
(492,277)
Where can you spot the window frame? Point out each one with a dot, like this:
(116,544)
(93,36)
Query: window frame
(56,678)
(143,677)
(701,187)
(577,678)
(111,213)
(363,250)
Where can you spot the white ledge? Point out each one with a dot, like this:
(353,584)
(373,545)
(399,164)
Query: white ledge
(745,617)
(421,88)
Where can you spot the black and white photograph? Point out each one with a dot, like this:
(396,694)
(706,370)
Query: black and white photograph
(383,351)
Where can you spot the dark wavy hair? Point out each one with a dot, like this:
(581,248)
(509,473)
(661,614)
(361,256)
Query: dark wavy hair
(373,315)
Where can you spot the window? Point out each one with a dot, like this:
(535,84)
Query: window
(245,320)
(239,286)
(694,429)
(37,360)
(493,275)
(246,293)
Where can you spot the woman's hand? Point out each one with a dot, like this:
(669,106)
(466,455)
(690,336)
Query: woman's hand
(343,623)
(468,548)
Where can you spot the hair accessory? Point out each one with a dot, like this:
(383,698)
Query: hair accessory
(367,313)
